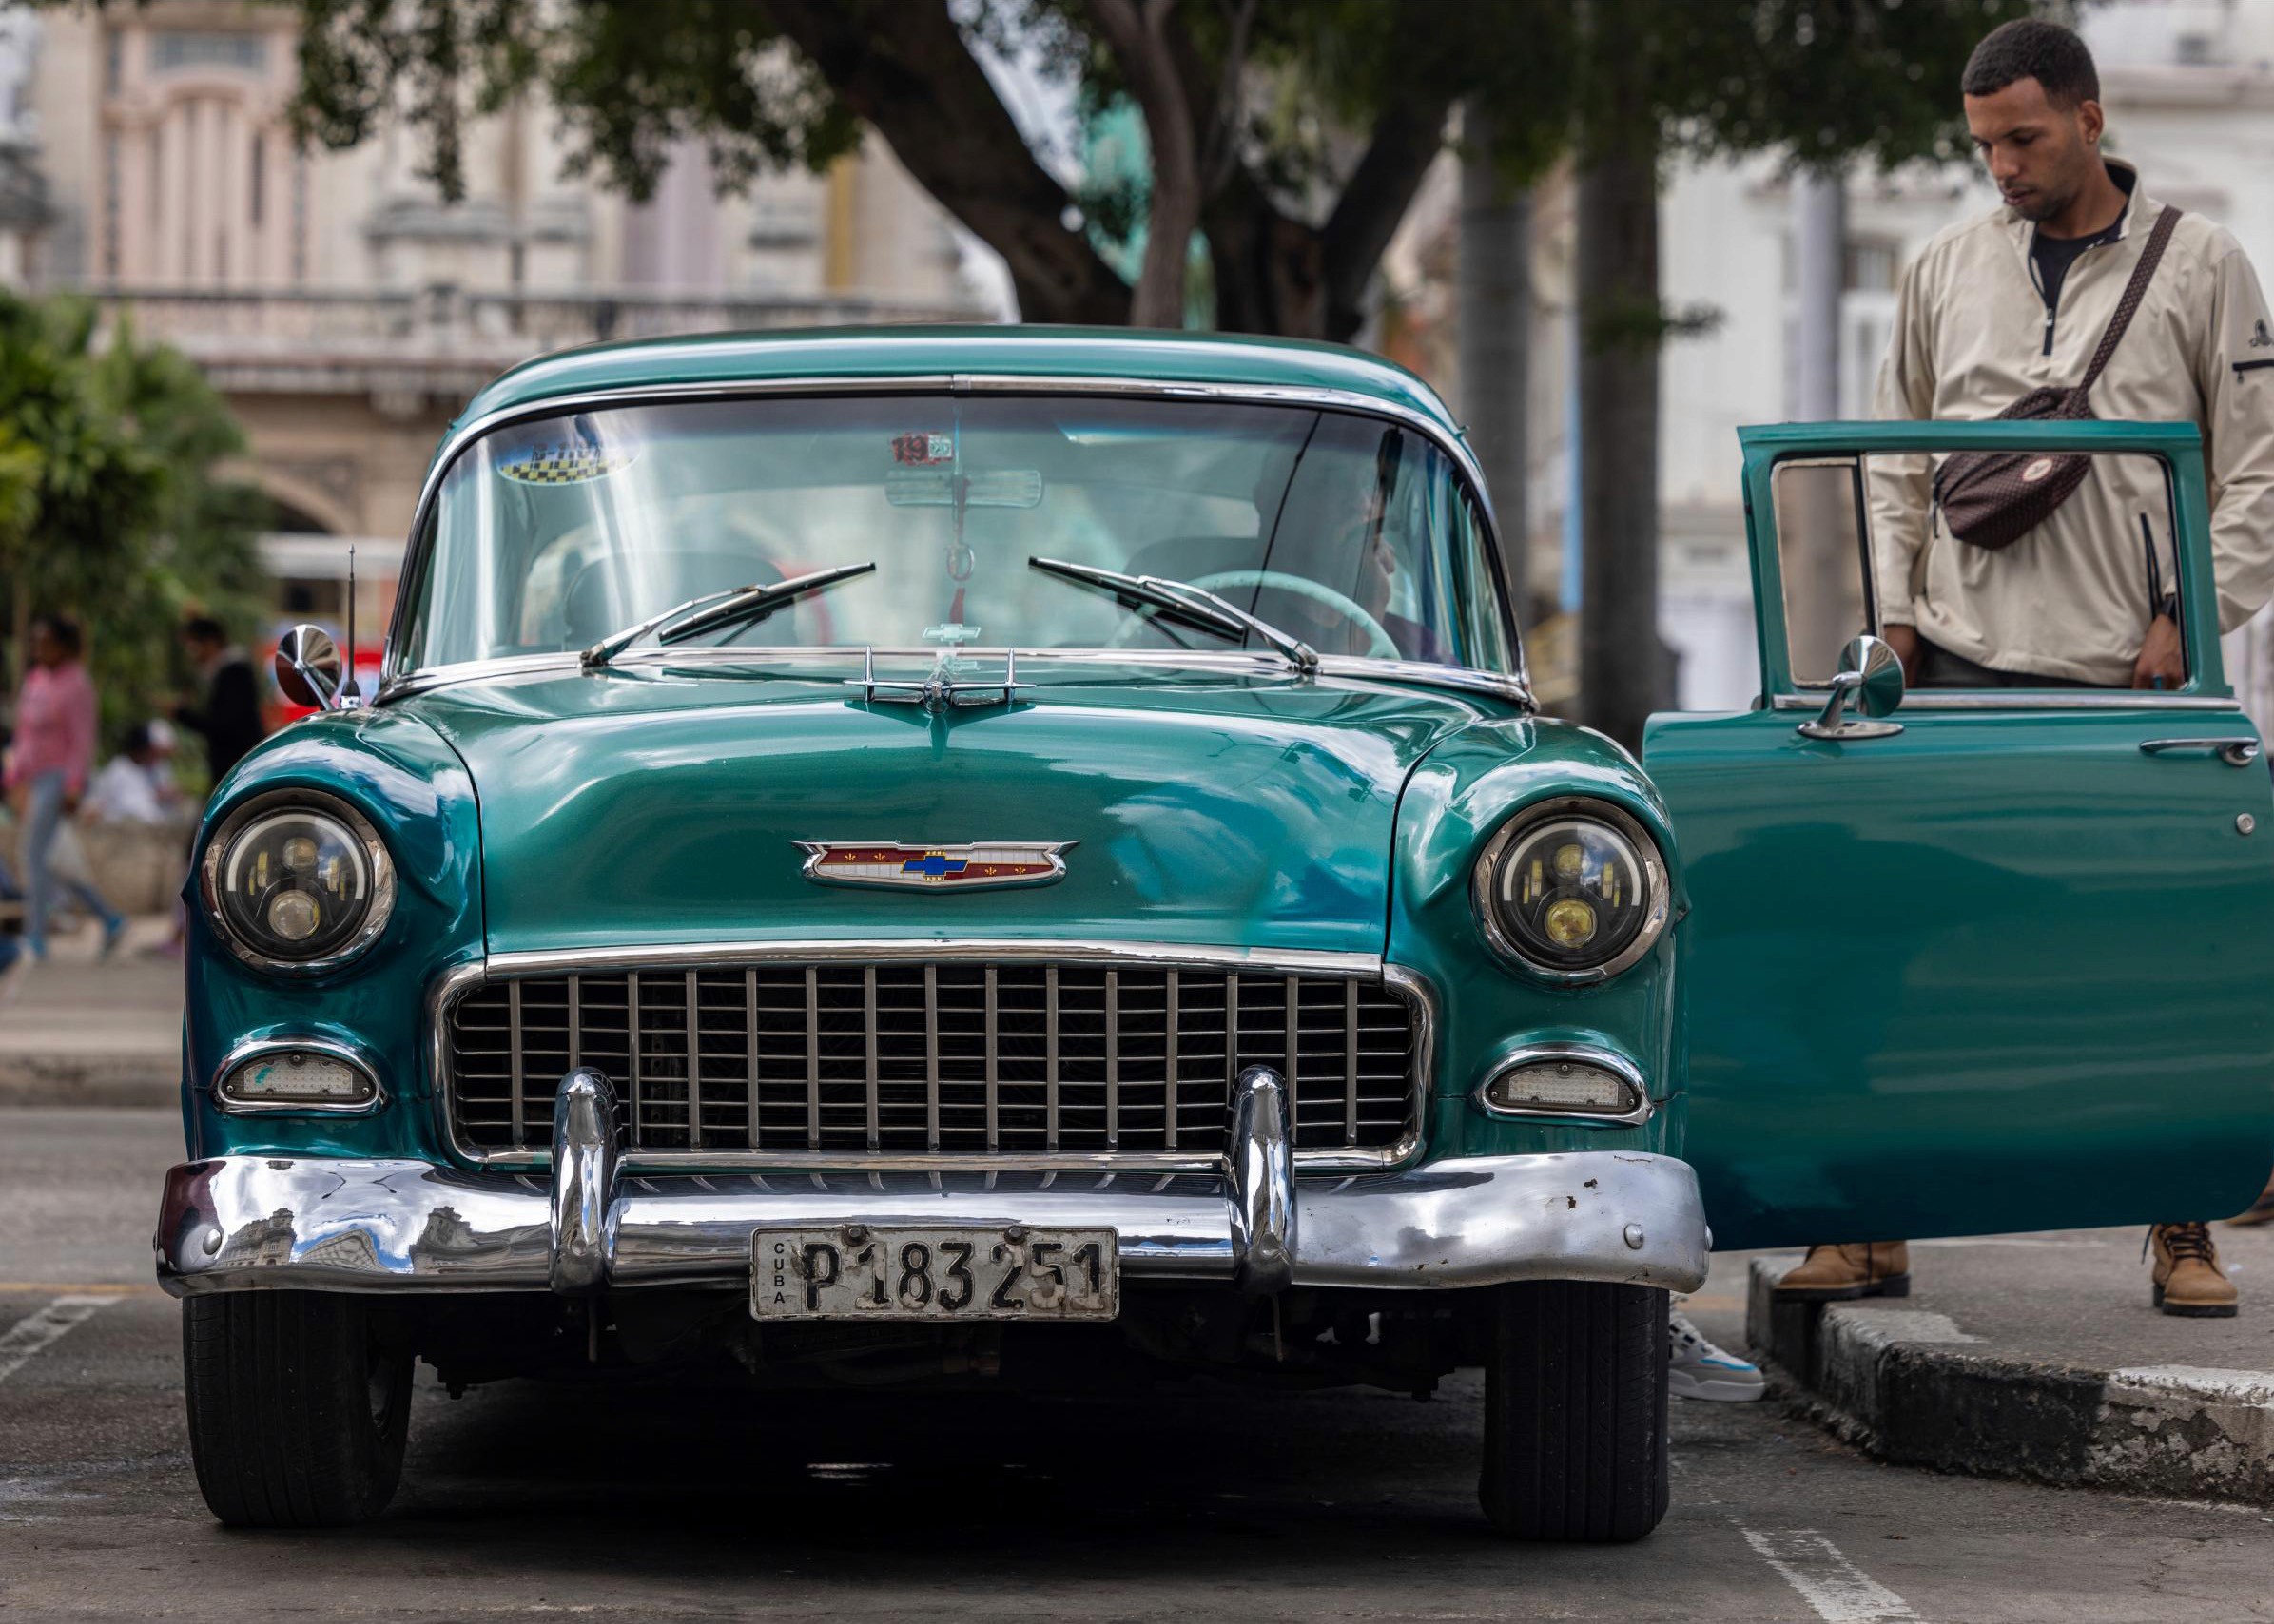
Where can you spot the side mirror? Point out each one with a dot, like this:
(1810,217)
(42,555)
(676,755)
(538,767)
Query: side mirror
(1872,675)
(309,668)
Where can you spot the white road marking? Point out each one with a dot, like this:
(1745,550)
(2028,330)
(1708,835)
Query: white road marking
(35,1331)
(1838,1591)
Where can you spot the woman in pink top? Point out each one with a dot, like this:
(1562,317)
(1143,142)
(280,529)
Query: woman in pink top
(47,767)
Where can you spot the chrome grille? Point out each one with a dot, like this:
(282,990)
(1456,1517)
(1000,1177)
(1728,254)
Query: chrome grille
(813,1061)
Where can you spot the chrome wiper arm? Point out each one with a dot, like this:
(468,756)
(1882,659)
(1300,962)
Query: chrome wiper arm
(617,642)
(734,604)
(756,602)
(1195,604)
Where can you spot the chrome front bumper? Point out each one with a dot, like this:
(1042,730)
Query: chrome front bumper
(251,1222)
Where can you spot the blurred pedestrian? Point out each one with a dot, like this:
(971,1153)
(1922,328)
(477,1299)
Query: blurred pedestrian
(137,785)
(46,775)
(226,711)
(2079,263)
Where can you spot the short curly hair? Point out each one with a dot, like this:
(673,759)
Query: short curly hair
(2029,47)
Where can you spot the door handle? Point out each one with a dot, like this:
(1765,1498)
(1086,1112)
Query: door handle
(2234,752)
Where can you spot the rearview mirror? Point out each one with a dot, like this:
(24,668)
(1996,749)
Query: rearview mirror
(1870,675)
(308,667)
(989,487)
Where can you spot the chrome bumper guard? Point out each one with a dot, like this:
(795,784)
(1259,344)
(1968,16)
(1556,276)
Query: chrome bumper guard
(251,1222)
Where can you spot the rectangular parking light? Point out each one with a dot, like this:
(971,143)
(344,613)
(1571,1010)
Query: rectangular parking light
(296,1077)
(1562,1085)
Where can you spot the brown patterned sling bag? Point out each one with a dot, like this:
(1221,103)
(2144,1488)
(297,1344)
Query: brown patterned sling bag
(1992,498)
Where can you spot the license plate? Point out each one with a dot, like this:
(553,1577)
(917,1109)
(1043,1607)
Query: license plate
(866,1273)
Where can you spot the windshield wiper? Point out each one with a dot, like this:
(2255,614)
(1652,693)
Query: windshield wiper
(1195,606)
(735,605)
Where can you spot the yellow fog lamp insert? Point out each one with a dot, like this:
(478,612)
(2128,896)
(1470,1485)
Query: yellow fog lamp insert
(1567,1080)
(296,882)
(306,1075)
(1573,890)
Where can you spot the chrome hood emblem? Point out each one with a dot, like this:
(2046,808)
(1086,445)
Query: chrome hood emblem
(978,867)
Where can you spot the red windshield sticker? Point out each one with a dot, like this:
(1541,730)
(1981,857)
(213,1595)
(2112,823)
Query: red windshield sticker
(923,451)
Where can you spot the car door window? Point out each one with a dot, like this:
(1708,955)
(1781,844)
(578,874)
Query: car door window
(1824,534)
(2097,591)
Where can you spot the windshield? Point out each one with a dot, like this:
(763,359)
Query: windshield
(1352,534)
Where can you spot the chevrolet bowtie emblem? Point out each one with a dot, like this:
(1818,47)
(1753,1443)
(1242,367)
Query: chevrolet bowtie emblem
(977,867)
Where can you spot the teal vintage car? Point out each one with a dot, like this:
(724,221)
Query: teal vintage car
(959,856)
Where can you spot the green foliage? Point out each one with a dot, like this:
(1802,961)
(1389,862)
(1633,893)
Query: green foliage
(628,80)
(1822,80)
(111,507)
(1285,92)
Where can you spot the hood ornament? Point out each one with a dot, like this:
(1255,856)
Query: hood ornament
(982,866)
(950,682)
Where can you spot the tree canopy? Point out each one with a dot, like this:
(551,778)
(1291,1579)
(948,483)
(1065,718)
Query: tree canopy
(1291,135)
(113,504)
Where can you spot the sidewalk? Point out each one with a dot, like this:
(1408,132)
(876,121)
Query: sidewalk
(2040,1357)
(78,1031)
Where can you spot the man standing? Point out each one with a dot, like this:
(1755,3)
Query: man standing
(227,714)
(2016,300)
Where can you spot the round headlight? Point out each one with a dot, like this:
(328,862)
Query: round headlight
(1572,889)
(298,882)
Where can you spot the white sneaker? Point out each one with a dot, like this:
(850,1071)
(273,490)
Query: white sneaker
(1700,1370)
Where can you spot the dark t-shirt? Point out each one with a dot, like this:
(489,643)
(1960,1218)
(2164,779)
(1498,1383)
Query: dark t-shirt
(2054,255)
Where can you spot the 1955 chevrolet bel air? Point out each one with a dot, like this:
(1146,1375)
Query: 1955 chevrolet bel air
(961,856)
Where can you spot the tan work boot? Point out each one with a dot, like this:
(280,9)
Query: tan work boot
(2187,1279)
(1853,1268)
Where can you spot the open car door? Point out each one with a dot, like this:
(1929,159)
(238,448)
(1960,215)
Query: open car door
(2001,960)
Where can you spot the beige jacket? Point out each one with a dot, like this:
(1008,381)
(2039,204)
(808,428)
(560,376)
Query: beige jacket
(2070,599)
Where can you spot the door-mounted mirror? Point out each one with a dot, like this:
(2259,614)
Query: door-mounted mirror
(308,667)
(1871,676)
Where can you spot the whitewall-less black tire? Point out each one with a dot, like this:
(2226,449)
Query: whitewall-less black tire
(1575,1412)
(298,1405)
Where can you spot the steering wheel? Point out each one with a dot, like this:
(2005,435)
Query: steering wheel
(1378,642)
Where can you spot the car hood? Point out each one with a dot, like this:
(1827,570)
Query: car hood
(656,804)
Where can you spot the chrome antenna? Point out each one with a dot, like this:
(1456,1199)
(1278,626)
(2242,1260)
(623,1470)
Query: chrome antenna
(348,691)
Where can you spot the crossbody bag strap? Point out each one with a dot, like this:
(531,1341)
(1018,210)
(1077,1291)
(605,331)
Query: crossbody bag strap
(2135,291)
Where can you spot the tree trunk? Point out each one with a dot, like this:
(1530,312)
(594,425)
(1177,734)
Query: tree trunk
(1138,32)
(918,82)
(1623,668)
(1820,237)
(1495,289)
(1270,270)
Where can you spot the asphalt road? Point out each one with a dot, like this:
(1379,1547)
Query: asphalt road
(1193,1503)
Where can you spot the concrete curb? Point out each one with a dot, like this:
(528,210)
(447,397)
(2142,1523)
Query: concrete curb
(1910,1387)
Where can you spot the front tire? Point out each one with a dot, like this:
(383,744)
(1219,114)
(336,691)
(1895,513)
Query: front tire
(299,1402)
(1575,1411)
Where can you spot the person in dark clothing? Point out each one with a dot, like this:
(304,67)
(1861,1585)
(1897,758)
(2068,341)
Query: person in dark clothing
(227,714)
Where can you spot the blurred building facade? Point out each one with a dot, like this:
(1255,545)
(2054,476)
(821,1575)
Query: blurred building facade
(343,307)
(2188,85)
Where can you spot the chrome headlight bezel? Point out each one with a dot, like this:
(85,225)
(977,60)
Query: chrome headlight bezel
(359,832)
(1484,885)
